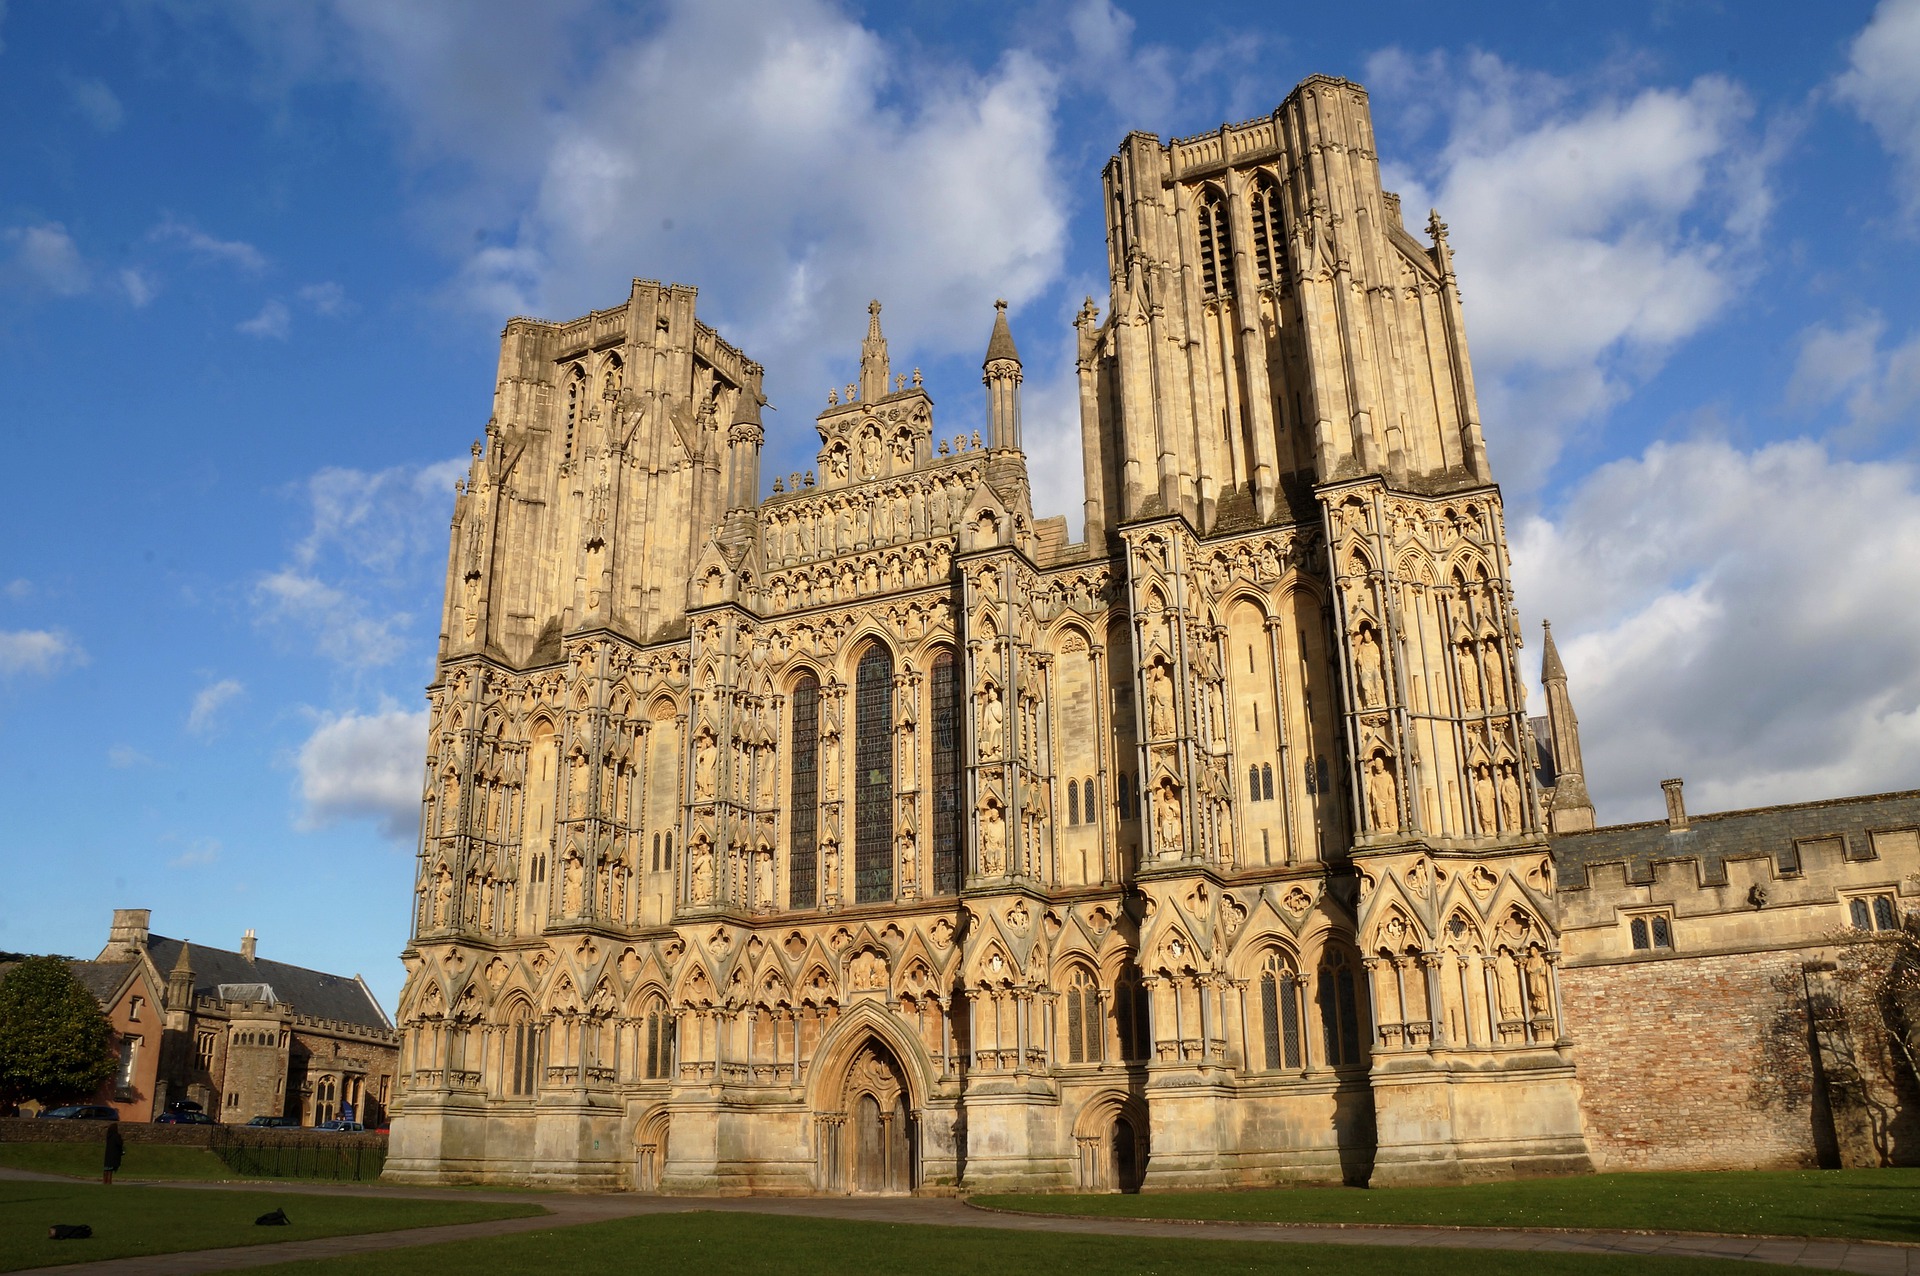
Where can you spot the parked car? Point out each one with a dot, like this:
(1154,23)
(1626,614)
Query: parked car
(82,1112)
(341,1127)
(184,1118)
(274,1123)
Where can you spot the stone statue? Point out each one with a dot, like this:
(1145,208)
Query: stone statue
(993,840)
(442,896)
(992,723)
(1167,823)
(1367,665)
(763,878)
(869,457)
(1160,715)
(570,887)
(1383,795)
(1509,797)
(1537,991)
(1496,683)
(1483,797)
(830,760)
(706,761)
(1507,982)
(1469,678)
(702,871)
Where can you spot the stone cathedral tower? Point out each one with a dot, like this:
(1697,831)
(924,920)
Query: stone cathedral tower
(869,835)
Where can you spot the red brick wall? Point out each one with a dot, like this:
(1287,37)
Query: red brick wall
(1692,1063)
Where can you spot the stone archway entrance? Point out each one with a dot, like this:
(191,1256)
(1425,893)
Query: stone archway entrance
(869,1145)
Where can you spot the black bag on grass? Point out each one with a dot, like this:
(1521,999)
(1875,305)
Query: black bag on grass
(276,1219)
(69,1232)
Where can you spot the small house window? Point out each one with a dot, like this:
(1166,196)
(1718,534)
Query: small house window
(1873,912)
(1654,932)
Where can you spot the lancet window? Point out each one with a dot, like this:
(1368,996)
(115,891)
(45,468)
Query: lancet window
(1083,1018)
(1216,256)
(576,408)
(945,686)
(873,777)
(1339,1012)
(1280,1012)
(522,1049)
(803,846)
(1266,230)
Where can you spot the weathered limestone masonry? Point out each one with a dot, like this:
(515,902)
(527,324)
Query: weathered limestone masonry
(867,835)
(1699,953)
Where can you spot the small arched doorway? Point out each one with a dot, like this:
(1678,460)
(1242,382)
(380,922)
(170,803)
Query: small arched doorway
(650,1152)
(1124,1166)
(878,1153)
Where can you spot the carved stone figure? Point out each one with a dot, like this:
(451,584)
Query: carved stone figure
(442,896)
(763,878)
(570,893)
(992,723)
(1491,663)
(1483,798)
(1509,797)
(1539,997)
(1383,795)
(701,871)
(993,840)
(706,762)
(1167,823)
(1160,716)
(1469,670)
(1367,668)
(1507,985)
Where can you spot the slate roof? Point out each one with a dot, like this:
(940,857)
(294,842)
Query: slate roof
(1711,839)
(101,978)
(313,993)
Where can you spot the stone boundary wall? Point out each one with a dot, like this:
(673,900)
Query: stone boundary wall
(32,1130)
(1688,1063)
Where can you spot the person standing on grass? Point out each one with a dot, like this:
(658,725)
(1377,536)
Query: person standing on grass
(113,1153)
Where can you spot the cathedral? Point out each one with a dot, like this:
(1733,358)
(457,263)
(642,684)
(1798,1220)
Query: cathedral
(859,831)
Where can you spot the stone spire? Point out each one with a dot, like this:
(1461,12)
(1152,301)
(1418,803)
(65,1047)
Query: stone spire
(874,369)
(180,979)
(745,434)
(1569,808)
(1002,378)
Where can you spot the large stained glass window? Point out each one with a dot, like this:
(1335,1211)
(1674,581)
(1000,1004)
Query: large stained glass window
(946,775)
(873,777)
(803,844)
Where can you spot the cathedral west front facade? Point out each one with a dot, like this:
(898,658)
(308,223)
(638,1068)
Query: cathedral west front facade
(858,831)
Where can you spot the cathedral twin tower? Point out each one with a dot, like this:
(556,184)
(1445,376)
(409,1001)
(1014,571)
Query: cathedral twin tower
(870,835)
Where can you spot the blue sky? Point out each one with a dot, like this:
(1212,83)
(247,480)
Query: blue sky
(254,260)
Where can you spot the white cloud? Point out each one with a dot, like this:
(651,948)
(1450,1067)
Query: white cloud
(1592,232)
(36,651)
(46,258)
(370,554)
(1880,83)
(1847,364)
(336,620)
(328,299)
(94,100)
(1747,620)
(232,252)
(274,321)
(18,588)
(208,702)
(139,285)
(365,766)
(124,757)
(200,852)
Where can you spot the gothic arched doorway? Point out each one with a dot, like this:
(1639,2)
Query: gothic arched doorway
(876,1153)
(1125,1165)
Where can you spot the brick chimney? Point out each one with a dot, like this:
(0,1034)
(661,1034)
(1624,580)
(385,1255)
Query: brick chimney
(246,944)
(1676,805)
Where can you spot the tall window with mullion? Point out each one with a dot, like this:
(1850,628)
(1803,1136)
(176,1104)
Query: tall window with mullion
(803,844)
(945,686)
(1280,1012)
(873,777)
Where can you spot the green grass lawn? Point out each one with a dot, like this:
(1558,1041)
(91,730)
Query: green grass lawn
(129,1220)
(1861,1204)
(141,1161)
(738,1243)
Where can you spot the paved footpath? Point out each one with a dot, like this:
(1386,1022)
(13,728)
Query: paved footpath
(571,1209)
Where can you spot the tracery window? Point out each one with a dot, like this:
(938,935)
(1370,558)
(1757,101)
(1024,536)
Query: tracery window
(1073,801)
(803,835)
(522,1046)
(945,686)
(873,777)
(1083,1018)
(1131,1020)
(1280,1012)
(1216,257)
(576,407)
(1339,1012)
(658,1029)
(1266,230)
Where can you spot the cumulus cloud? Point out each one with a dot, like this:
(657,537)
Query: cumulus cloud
(369,554)
(365,766)
(273,321)
(139,285)
(202,718)
(1593,231)
(1847,364)
(37,651)
(46,259)
(96,103)
(197,243)
(1881,86)
(1747,620)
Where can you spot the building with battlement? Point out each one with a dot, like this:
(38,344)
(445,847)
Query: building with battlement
(861,832)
